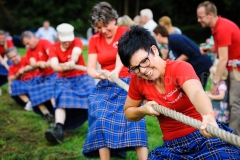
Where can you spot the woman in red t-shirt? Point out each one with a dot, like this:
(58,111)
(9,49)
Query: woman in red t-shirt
(20,78)
(72,86)
(175,85)
(109,132)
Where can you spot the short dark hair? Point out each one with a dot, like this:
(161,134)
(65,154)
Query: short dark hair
(161,30)
(209,7)
(133,40)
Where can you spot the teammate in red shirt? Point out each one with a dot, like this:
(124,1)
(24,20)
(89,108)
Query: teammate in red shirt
(20,77)
(226,35)
(107,123)
(72,87)
(4,63)
(174,85)
(43,91)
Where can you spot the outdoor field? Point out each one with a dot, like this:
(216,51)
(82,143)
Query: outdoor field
(22,134)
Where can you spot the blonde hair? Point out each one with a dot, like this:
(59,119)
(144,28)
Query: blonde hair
(213,70)
(165,20)
(125,21)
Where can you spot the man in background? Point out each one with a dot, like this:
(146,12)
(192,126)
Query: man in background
(46,32)
(147,19)
(226,35)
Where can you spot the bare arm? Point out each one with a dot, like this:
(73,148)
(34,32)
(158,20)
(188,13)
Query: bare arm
(134,112)
(219,96)
(55,64)
(119,64)
(197,96)
(33,62)
(92,63)
(11,78)
(182,58)
(202,103)
(223,59)
(76,52)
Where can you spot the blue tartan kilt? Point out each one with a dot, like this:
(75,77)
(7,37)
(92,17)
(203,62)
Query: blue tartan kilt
(108,126)
(43,90)
(195,146)
(3,70)
(72,94)
(22,87)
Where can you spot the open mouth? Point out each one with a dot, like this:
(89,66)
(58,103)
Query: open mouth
(149,72)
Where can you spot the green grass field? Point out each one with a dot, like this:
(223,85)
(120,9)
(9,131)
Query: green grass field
(22,134)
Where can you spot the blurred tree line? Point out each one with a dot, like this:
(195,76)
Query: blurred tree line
(19,15)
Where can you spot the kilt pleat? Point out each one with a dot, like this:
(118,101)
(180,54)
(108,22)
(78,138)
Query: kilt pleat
(108,126)
(195,146)
(22,87)
(72,94)
(43,90)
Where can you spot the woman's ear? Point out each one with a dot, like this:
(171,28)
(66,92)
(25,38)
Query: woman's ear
(155,50)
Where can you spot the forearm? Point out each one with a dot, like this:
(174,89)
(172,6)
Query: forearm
(203,107)
(92,72)
(219,96)
(75,54)
(119,64)
(220,69)
(134,113)
(11,78)
(182,58)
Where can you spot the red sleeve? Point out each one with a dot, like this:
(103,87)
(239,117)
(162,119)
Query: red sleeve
(52,51)
(9,44)
(30,54)
(11,71)
(223,37)
(183,71)
(78,43)
(134,86)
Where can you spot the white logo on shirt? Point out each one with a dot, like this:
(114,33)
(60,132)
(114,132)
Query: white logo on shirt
(69,57)
(115,44)
(171,93)
(40,54)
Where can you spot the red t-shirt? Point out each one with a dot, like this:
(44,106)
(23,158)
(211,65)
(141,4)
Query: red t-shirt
(55,51)
(177,72)
(2,49)
(40,54)
(227,33)
(13,69)
(107,52)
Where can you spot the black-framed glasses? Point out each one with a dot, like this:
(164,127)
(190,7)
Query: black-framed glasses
(143,64)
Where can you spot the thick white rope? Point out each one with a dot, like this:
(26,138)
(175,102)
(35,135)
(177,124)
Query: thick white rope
(217,132)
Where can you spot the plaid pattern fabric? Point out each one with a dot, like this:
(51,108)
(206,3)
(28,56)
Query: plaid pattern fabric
(22,87)
(43,90)
(195,146)
(108,126)
(3,70)
(73,92)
